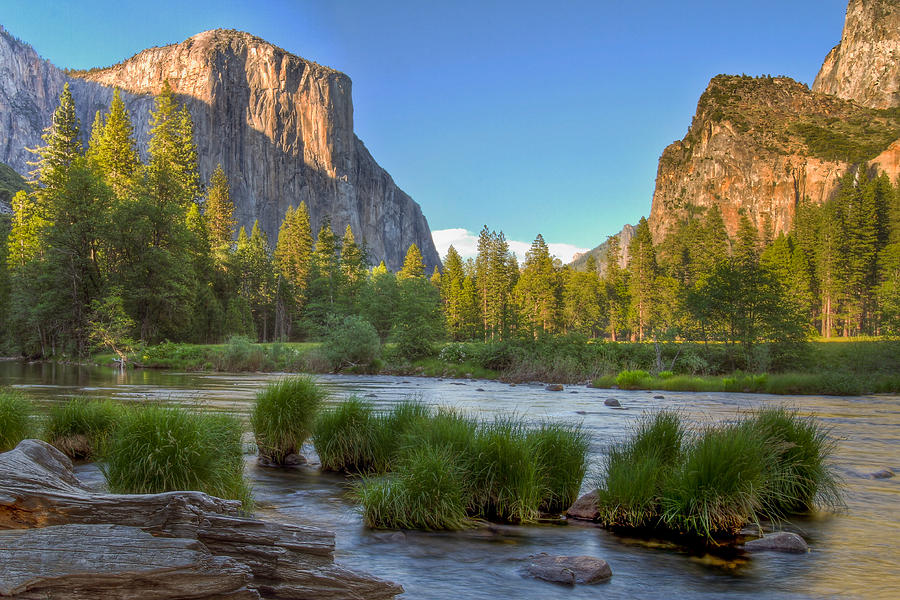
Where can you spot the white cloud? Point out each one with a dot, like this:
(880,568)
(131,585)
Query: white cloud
(466,243)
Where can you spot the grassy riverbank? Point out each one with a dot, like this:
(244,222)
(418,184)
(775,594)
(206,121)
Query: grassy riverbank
(821,367)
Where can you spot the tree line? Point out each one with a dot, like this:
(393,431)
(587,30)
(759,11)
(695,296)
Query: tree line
(105,248)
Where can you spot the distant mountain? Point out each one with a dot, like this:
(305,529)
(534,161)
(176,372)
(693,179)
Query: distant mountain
(599,253)
(281,126)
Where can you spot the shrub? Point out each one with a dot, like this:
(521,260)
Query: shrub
(284,415)
(80,428)
(507,482)
(561,453)
(240,354)
(345,437)
(629,380)
(351,342)
(162,449)
(15,419)
(426,493)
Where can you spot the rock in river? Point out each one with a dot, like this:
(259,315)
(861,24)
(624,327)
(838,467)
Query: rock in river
(612,402)
(585,508)
(554,387)
(568,570)
(780,541)
(882,474)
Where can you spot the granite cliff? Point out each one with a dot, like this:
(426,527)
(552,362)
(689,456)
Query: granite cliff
(758,146)
(281,126)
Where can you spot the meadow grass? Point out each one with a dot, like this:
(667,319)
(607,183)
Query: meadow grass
(712,482)
(284,415)
(838,383)
(15,419)
(561,453)
(79,427)
(163,448)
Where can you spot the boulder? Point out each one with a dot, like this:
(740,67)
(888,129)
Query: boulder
(38,489)
(585,508)
(882,474)
(554,387)
(659,397)
(780,541)
(612,402)
(568,570)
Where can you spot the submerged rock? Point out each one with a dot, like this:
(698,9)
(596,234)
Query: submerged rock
(554,387)
(612,402)
(882,474)
(568,570)
(659,397)
(585,508)
(780,541)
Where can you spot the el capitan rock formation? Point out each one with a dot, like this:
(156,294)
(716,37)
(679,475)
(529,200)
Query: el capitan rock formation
(281,126)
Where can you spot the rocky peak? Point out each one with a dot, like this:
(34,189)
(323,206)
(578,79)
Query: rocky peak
(281,126)
(865,65)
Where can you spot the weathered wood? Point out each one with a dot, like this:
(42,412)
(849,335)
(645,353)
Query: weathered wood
(114,562)
(38,489)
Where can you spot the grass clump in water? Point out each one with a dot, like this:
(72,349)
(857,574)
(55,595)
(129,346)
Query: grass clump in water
(15,419)
(162,449)
(79,428)
(427,492)
(561,453)
(632,380)
(345,437)
(636,472)
(284,415)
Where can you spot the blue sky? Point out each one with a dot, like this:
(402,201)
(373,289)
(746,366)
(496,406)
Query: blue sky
(526,116)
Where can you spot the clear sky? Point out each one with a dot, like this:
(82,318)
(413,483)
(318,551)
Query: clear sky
(526,116)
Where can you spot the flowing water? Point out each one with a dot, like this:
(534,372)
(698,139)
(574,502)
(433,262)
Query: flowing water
(854,554)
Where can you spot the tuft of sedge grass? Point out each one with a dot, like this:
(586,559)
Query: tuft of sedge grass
(561,454)
(632,380)
(80,427)
(427,492)
(162,449)
(15,419)
(345,437)
(391,431)
(729,477)
(508,484)
(284,416)
(803,448)
(629,494)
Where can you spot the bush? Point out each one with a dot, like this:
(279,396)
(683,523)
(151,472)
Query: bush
(561,453)
(240,354)
(284,415)
(15,419)
(345,437)
(79,428)
(162,449)
(630,380)
(426,493)
(351,342)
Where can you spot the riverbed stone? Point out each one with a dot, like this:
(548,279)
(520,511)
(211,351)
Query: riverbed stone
(554,387)
(882,474)
(585,508)
(780,541)
(659,397)
(568,570)
(612,402)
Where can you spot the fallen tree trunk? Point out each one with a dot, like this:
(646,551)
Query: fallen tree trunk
(39,489)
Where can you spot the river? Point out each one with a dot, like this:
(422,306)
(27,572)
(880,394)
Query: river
(854,553)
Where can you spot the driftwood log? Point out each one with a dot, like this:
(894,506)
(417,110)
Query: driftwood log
(195,538)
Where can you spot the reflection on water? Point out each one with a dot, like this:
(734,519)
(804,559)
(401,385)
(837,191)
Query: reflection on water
(853,555)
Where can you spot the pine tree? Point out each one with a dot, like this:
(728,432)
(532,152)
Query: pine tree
(294,251)
(452,282)
(413,267)
(538,290)
(616,290)
(219,211)
(643,272)
(113,148)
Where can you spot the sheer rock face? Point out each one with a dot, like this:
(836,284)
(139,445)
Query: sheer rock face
(281,126)
(865,65)
(755,147)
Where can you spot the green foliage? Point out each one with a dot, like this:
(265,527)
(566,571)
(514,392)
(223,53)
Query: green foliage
(80,428)
(351,342)
(15,419)
(630,380)
(346,437)
(561,454)
(162,449)
(768,465)
(284,415)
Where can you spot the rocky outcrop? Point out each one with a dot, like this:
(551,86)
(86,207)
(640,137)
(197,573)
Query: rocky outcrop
(206,538)
(600,252)
(865,65)
(281,126)
(758,146)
